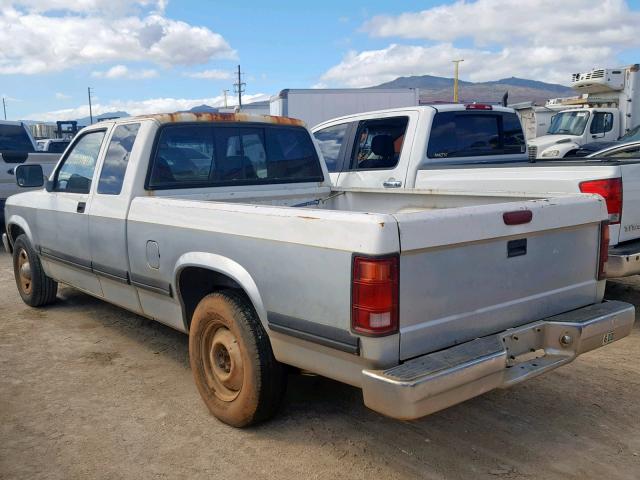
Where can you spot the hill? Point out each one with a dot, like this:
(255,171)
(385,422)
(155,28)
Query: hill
(440,89)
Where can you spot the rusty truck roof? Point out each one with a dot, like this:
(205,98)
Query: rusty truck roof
(179,117)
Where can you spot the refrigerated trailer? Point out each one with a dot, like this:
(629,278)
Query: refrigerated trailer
(317,105)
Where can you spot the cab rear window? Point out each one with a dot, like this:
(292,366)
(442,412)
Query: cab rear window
(14,138)
(475,134)
(196,155)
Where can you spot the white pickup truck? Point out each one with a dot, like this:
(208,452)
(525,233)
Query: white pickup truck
(226,227)
(18,147)
(477,147)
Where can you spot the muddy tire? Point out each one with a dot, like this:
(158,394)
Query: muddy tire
(34,286)
(233,365)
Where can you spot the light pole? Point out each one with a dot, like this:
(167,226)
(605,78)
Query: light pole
(455,79)
(4,107)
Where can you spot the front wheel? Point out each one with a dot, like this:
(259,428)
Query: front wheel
(34,286)
(233,365)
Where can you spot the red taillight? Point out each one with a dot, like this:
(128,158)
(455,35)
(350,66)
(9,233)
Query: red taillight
(478,106)
(609,189)
(374,295)
(604,250)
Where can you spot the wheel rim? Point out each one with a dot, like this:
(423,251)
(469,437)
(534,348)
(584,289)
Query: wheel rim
(222,360)
(24,272)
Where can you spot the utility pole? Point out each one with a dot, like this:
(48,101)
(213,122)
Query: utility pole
(90,110)
(4,107)
(224,92)
(455,79)
(239,87)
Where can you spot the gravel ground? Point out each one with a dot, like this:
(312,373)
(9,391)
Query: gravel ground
(88,390)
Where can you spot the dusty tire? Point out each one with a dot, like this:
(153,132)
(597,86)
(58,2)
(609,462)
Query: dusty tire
(233,365)
(34,286)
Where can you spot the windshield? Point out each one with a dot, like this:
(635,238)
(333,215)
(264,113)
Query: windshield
(632,135)
(569,123)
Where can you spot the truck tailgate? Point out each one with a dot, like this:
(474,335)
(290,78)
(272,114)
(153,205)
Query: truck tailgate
(630,224)
(464,273)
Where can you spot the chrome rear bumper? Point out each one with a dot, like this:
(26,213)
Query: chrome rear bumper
(432,382)
(624,260)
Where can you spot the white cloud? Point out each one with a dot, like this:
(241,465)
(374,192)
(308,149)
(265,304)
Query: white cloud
(92,32)
(141,107)
(122,71)
(211,75)
(539,39)
(62,96)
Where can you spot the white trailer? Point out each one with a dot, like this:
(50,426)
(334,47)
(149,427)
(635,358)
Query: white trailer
(314,106)
(609,106)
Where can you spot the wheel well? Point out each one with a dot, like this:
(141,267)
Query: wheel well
(194,283)
(14,232)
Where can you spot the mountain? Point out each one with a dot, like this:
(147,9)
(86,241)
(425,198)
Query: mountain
(86,120)
(440,89)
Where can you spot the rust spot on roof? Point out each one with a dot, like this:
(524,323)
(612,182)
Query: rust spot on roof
(308,218)
(178,117)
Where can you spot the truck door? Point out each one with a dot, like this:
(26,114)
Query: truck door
(377,154)
(603,127)
(63,223)
(108,218)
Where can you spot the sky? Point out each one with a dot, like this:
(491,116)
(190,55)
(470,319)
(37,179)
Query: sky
(145,56)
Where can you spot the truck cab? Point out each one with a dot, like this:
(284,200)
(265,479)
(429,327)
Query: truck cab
(570,129)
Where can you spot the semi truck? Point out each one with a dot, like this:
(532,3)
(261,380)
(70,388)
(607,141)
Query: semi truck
(607,108)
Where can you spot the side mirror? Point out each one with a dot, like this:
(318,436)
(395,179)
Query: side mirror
(29,176)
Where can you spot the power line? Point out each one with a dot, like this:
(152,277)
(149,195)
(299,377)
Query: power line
(239,87)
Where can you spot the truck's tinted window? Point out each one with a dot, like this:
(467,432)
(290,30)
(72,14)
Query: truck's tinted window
(57,147)
(330,140)
(473,134)
(76,172)
(379,143)
(117,158)
(209,155)
(14,138)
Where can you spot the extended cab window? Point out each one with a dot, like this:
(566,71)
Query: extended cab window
(379,143)
(331,141)
(117,158)
(474,134)
(218,155)
(76,172)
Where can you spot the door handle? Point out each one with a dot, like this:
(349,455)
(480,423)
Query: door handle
(81,207)
(392,183)
(11,171)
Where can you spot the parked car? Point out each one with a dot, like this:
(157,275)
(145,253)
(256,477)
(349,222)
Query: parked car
(420,299)
(17,147)
(53,145)
(625,151)
(632,135)
(476,148)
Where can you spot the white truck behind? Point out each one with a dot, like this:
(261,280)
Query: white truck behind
(477,147)
(609,106)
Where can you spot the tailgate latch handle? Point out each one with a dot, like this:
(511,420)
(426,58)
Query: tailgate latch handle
(517,217)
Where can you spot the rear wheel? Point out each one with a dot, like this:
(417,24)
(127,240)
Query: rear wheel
(233,365)
(34,286)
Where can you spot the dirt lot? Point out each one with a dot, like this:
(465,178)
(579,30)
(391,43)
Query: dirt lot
(91,391)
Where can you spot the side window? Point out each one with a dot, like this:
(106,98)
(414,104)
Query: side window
(378,143)
(76,172)
(628,152)
(602,122)
(184,156)
(331,141)
(117,158)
